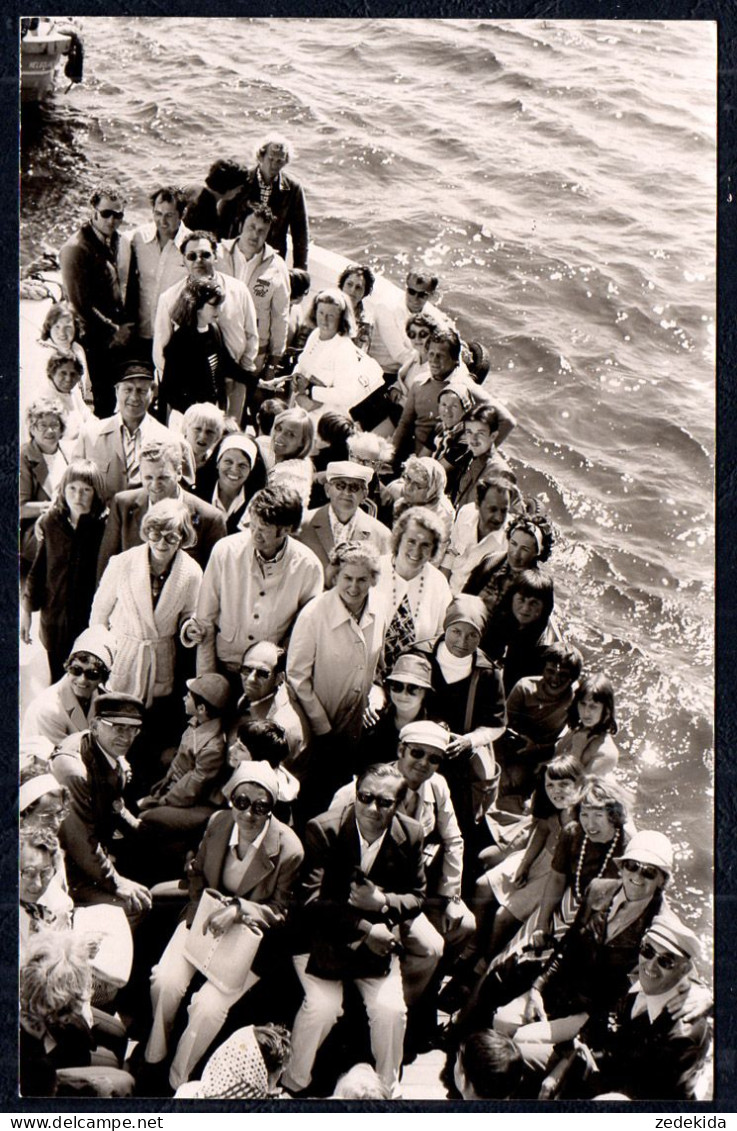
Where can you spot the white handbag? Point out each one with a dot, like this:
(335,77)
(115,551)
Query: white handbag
(225,961)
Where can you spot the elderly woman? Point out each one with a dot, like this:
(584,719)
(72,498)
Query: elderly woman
(61,582)
(60,1036)
(145,595)
(196,359)
(62,709)
(357,282)
(240,474)
(331,372)
(415,591)
(252,859)
(529,543)
(290,444)
(332,659)
(42,464)
(478,530)
(422,484)
(42,904)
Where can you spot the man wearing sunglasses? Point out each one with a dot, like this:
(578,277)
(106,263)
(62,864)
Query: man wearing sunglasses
(93,765)
(641,1050)
(63,708)
(363,877)
(236,318)
(342,520)
(268,697)
(94,269)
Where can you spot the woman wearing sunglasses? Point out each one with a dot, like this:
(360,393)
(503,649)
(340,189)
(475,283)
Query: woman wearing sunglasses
(63,708)
(252,859)
(144,597)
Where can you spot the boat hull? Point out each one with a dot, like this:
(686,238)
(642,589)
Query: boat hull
(40,58)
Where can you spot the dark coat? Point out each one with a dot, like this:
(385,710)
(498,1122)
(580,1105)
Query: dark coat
(332,856)
(89,271)
(287,202)
(187,378)
(123,526)
(34,487)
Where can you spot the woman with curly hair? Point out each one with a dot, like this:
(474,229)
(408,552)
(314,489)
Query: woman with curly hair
(62,579)
(357,282)
(529,542)
(43,461)
(196,360)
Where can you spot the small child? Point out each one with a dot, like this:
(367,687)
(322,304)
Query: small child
(183,799)
(592,723)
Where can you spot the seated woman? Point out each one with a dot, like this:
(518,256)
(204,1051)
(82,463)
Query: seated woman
(62,579)
(591,724)
(422,484)
(42,464)
(414,591)
(64,376)
(62,709)
(66,1047)
(249,856)
(196,359)
(241,472)
(357,282)
(529,543)
(419,329)
(480,433)
(450,448)
(288,461)
(523,628)
(478,529)
(145,596)
(331,372)
(349,620)
(406,685)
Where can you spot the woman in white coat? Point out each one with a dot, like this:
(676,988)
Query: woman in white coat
(144,597)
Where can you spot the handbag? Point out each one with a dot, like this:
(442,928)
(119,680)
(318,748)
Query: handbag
(225,961)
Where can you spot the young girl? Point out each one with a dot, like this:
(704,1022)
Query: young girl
(292,437)
(61,582)
(592,724)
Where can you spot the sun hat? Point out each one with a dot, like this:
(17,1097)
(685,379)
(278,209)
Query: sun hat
(260,773)
(667,930)
(346,469)
(98,642)
(649,847)
(412,669)
(427,733)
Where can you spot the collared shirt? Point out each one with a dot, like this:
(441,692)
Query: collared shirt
(265,186)
(341,531)
(653,1003)
(157,268)
(369,850)
(238,501)
(622,912)
(235,868)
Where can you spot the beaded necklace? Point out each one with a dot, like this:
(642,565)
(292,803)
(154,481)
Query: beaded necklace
(579,866)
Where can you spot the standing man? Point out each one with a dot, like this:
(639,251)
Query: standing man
(115,443)
(268,184)
(236,319)
(161,475)
(342,520)
(265,274)
(157,262)
(93,765)
(94,266)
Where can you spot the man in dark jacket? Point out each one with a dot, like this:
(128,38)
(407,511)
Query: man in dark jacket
(92,263)
(94,768)
(161,474)
(267,184)
(363,876)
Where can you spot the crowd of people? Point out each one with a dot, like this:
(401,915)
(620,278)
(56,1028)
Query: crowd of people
(312,725)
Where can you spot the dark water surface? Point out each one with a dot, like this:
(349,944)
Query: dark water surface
(559,177)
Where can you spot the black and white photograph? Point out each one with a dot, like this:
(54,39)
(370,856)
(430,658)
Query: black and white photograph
(366,433)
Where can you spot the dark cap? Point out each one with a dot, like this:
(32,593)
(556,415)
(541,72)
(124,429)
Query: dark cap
(117,705)
(129,370)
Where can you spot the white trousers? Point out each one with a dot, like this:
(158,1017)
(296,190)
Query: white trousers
(323,1005)
(206,1013)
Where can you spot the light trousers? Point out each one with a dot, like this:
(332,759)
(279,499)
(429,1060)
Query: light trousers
(206,1014)
(323,1005)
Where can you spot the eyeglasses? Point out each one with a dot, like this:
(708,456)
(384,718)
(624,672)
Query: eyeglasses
(121,728)
(260,673)
(664,961)
(42,874)
(416,294)
(258,808)
(405,688)
(193,255)
(90,673)
(418,755)
(110,213)
(369,798)
(171,539)
(647,871)
(349,486)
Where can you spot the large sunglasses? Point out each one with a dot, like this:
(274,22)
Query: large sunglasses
(647,871)
(171,538)
(405,688)
(89,673)
(258,808)
(664,961)
(191,256)
(110,214)
(350,486)
(416,294)
(368,799)
(259,673)
(418,755)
